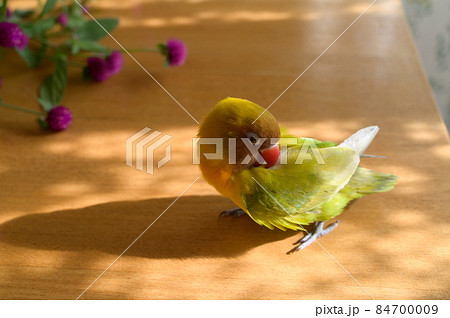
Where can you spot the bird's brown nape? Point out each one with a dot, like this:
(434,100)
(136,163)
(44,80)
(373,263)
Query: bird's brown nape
(237,118)
(234,117)
(266,127)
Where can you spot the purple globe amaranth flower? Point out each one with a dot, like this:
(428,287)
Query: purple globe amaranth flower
(63,19)
(177,52)
(115,62)
(59,118)
(98,69)
(11,35)
(8,13)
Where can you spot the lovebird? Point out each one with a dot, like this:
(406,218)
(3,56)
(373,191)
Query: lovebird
(278,180)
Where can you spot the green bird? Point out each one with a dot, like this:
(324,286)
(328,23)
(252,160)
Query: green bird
(279,180)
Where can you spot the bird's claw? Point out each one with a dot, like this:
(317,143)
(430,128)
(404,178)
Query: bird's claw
(317,232)
(303,239)
(236,212)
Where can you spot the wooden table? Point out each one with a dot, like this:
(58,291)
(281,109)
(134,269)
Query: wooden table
(69,206)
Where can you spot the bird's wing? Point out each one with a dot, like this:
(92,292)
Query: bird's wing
(287,140)
(286,196)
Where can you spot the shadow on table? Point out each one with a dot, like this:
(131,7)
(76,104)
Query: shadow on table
(190,228)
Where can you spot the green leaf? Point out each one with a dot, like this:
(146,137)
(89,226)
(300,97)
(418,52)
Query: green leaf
(32,58)
(163,49)
(75,17)
(23,13)
(85,75)
(42,122)
(92,46)
(27,55)
(47,7)
(27,28)
(46,105)
(40,54)
(43,25)
(74,49)
(18,16)
(75,22)
(52,89)
(39,27)
(92,31)
(76,10)
(3,10)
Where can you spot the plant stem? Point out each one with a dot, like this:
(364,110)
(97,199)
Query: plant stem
(23,109)
(86,54)
(143,49)
(75,64)
(42,41)
(59,33)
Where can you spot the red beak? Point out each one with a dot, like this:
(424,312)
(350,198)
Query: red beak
(271,155)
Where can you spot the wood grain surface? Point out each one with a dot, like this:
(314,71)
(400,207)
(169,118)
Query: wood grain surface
(69,206)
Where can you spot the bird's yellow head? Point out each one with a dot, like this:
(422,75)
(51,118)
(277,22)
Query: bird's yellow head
(235,121)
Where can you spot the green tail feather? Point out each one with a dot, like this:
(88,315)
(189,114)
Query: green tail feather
(366,181)
(362,183)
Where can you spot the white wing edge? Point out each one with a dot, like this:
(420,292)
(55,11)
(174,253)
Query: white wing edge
(360,140)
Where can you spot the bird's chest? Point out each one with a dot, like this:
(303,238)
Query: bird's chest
(221,179)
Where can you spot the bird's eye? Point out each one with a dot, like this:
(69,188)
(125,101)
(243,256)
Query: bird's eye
(252,137)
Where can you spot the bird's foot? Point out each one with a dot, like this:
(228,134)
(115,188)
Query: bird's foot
(232,212)
(317,232)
